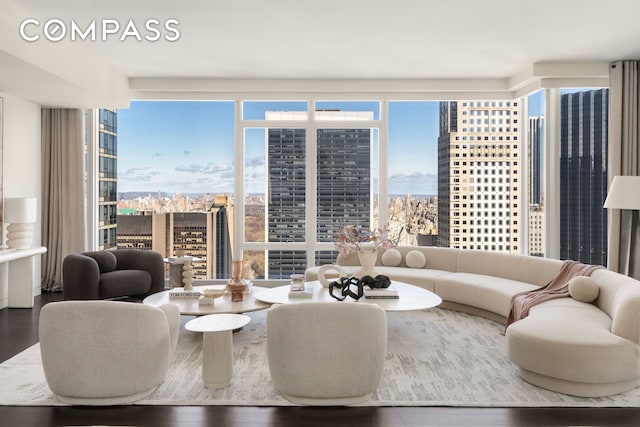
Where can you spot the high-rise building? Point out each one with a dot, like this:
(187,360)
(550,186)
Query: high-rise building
(136,232)
(204,235)
(583,175)
(107,178)
(343,185)
(536,138)
(536,200)
(448,127)
(479,193)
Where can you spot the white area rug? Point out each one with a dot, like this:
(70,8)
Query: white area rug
(435,358)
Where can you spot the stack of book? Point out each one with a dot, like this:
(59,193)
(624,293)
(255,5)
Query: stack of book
(181,293)
(307,292)
(179,258)
(381,293)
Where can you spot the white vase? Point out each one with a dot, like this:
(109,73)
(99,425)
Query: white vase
(367,257)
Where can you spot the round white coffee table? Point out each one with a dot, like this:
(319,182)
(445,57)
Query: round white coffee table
(223,304)
(217,346)
(410,297)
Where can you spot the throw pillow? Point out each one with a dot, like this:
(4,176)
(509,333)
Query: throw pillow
(415,259)
(391,257)
(583,288)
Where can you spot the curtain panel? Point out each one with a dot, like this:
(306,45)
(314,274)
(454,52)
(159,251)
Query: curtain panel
(624,159)
(64,225)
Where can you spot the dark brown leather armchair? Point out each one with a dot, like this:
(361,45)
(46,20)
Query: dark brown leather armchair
(112,274)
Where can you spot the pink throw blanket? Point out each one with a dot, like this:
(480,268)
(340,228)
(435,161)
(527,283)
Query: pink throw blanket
(557,288)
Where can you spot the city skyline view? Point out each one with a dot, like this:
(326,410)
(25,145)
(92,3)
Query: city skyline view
(187,147)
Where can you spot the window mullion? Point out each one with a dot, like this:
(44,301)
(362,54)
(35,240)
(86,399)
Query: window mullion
(383,166)
(552,174)
(238,211)
(311,184)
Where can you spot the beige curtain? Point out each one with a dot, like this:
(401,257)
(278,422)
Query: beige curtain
(64,228)
(624,159)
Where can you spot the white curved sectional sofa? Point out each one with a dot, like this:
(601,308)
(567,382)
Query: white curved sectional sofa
(573,347)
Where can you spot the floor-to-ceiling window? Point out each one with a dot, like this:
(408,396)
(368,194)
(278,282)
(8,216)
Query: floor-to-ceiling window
(287,174)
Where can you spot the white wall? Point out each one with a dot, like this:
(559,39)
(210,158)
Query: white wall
(21,160)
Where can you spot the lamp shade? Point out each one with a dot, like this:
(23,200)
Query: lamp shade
(624,193)
(20,210)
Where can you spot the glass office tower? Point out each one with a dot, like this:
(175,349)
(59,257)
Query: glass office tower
(583,175)
(343,187)
(107,178)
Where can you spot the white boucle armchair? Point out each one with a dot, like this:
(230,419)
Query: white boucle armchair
(106,352)
(326,353)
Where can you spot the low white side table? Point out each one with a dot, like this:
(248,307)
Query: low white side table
(217,346)
(18,281)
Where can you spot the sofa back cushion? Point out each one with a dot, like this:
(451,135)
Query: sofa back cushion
(488,263)
(106,260)
(535,270)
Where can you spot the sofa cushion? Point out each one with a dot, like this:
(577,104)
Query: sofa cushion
(391,257)
(560,347)
(124,282)
(415,259)
(106,260)
(423,277)
(478,290)
(573,310)
(584,289)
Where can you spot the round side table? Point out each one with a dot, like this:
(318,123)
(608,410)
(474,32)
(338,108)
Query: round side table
(217,346)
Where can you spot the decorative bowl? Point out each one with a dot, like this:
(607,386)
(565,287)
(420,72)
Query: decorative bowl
(213,293)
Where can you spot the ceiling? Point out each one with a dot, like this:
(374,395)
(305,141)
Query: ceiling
(498,44)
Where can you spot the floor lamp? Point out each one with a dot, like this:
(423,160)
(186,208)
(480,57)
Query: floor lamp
(624,194)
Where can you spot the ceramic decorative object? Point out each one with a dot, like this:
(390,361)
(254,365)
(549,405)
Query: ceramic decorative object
(236,284)
(210,296)
(367,258)
(330,268)
(187,275)
(365,243)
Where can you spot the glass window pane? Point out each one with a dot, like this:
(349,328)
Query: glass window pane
(175,162)
(257,110)
(282,264)
(536,144)
(286,157)
(348,110)
(344,181)
(584,117)
(254,185)
(479,189)
(254,264)
(413,172)
(326,257)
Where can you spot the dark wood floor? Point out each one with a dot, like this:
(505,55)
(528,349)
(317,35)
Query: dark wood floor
(19,330)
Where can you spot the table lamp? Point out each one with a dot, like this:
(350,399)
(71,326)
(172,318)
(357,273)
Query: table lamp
(624,194)
(20,213)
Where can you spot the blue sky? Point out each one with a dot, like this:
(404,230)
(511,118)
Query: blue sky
(187,147)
